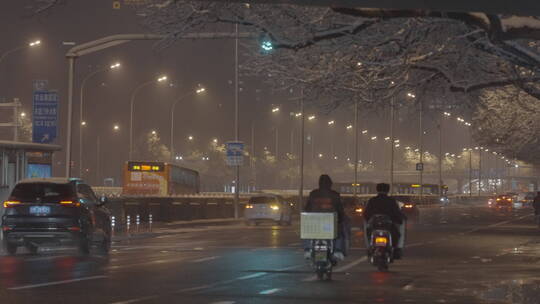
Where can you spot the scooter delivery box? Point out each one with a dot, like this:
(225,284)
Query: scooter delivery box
(318,226)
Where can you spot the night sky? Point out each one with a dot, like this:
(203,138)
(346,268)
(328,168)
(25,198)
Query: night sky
(187,64)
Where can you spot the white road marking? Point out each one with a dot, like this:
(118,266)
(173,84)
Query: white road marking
(205,259)
(136,300)
(223,302)
(57,283)
(342,268)
(269,291)
(252,276)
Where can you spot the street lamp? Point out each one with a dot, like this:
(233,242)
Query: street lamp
(215,140)
(116,127)
(19,48)
(160,79)
(113,66)
(190,138)
(154,132)
(197,91)
(23,114)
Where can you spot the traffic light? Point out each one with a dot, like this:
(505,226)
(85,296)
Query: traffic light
(265,43)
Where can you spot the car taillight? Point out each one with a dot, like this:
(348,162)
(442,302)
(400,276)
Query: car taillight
(70,203)
(8,204)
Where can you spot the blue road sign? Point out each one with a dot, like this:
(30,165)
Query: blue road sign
(45,117)
(235,153)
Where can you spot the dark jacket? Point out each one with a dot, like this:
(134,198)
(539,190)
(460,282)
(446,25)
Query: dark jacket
(325,200)
(536,205)
(383,204)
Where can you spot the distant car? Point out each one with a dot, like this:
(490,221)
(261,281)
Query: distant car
(268,208)
(354,209)
(491,202)
(408,206)
(55,211)
(526,198)
(504,202)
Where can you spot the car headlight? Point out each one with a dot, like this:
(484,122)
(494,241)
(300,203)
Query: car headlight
(274,207)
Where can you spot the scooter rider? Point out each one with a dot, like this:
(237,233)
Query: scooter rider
(384,204)
(324,199)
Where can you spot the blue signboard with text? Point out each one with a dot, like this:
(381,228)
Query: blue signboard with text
(45,117)
(235,153)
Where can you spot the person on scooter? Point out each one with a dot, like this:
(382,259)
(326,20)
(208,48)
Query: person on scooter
(324,199)
(386,205)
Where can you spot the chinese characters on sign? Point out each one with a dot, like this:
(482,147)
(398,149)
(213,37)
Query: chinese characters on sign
(45,116)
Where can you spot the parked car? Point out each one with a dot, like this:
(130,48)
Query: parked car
(268,208)
(55,211)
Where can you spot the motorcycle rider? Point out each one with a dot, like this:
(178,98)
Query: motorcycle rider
(324,199)
(386,205)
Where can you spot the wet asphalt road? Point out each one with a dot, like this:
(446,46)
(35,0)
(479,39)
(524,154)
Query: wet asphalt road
(467,254)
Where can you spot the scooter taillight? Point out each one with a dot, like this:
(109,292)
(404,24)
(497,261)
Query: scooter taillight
(381,241)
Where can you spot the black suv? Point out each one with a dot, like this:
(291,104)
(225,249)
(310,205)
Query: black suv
(57,211)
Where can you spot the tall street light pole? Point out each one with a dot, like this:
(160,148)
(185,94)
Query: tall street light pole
(82,122)
(133,94)
(392,143)
(197,91)
(356,130)
(31,45)
(236,122)
(302,143)
(111,41)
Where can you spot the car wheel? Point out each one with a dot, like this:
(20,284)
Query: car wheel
(84,245)
(10,248)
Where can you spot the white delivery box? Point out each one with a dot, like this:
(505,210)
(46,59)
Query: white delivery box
(318,226)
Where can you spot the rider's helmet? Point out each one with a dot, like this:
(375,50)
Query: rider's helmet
(383,188)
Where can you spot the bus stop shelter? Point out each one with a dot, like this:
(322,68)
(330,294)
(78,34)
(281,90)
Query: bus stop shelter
(19,160)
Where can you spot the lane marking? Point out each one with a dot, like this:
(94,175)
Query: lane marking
(205,259)
(339,269)
(136,300)
(252,276)
(57,283)
(223,302)
(269,291)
